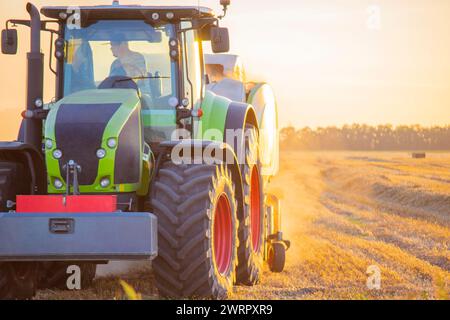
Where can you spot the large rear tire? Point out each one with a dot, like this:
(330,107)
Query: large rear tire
(197,221)
(251,230)
(18,280)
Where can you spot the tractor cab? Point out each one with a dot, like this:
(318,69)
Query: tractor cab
(156,51)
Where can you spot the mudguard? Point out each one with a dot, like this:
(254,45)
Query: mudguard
(31,159)
(225,121)
(203,147)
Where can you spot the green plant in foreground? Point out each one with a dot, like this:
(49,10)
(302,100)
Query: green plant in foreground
(130,292)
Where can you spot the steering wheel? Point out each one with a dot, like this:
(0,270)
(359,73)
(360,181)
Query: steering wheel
(118,82)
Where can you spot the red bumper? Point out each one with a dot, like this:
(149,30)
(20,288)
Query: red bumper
(69,204)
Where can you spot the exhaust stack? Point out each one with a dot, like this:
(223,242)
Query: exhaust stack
(35,80)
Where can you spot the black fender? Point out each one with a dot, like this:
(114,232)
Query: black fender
(31,158)
(199,147)
(239,116)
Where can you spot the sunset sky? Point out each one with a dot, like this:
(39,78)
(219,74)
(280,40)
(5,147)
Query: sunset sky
(330,61)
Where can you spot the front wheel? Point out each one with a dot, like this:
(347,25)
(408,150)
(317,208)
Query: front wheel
(56,274)
(197,221)
(18,280)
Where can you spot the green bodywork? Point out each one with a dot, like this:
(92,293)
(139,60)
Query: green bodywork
(211,126)
(130,101)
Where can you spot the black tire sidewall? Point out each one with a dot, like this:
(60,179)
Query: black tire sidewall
(279,257)
(251,262)
(55,275)
(224,186)
(15,285)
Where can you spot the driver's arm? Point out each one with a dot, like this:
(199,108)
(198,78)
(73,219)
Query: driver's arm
(117,69)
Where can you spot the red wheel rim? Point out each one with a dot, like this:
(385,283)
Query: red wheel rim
(255,210)
(223,235)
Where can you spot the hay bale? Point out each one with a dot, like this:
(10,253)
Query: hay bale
(419,155)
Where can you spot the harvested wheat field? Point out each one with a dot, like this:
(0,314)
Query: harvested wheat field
(345,212)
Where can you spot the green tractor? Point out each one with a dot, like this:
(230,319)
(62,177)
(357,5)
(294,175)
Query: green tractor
(150,150)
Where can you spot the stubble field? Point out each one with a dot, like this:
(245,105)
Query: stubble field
(343,212)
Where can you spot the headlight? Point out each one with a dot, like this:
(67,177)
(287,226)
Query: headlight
(58,184)
(101,153)
(39,103)
(48,144)
(112,143)
(105,182)
(57,154)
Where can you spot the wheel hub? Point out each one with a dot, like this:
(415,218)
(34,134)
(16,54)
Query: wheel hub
(223,235)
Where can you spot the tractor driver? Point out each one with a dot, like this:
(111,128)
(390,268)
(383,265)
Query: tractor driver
(128,63)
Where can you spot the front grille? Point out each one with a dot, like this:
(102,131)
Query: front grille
(79,131)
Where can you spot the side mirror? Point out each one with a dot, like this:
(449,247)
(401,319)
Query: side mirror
(220,40)
(9,41)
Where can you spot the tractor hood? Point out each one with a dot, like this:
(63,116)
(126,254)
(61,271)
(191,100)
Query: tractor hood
(101,131)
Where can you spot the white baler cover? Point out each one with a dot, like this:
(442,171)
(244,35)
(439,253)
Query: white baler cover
(231,63)
(260,96)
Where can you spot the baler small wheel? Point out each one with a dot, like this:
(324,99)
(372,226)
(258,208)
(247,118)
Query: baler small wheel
(276,257)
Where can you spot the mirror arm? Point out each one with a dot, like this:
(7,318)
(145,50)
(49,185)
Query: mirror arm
(27,23)
(224,13)
(50,60)
(16,22)
(203,22)
(44,26)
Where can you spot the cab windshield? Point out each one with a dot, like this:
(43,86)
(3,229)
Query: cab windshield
(122,48)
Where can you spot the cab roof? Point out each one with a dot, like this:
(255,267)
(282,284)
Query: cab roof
(129,12)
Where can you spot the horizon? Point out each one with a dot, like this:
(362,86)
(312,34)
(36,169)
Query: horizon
(359,61)
(394,126)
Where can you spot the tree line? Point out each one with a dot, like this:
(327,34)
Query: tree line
(365,137)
